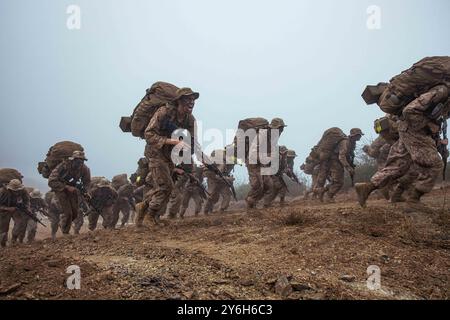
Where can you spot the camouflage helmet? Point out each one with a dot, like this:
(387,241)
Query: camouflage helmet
(78,155)
(15,185)
(183,92)
(142,162)
(103,182)
(283,149)
(355,132)
(35,194)
(291,154)
(277,123)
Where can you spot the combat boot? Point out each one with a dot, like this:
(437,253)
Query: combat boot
(329,198)
(397,195)
(385,193)
(363,190)
(415,196)
(320,193)
(156,217)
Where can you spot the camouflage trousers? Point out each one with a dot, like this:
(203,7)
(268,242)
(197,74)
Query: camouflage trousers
(121,205)
(332,170)
(383,156)
(29,232)
(278,189)
(260,186)
(217,189)
(176,196)
(156,199)
(191,193)
(78,223)
(105,213)
(54,215)
(414,159)
(313,184)
(20,225)
(69,203)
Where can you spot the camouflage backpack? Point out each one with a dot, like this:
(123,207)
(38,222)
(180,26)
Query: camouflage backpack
(95,182)
(8,174)
(119,180)
(408,85)
(247,124)
(159,94)
(328,143)
(57,154)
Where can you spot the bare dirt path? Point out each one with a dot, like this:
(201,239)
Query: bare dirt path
(323,250)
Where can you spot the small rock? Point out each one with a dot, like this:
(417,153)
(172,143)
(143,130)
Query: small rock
(27,268)
(347,278)
(189,295)
(294,250)
(52,263)
(29,296)
(221,281)
(10,289)
(283,287)
(247,282)
(297,286)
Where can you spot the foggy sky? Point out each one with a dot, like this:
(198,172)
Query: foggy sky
(304,61)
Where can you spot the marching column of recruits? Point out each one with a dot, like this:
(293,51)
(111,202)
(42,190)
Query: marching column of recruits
(410,152)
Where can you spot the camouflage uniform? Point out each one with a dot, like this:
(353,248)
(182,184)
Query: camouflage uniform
(79,220)
(66,174)
(217,187)
(192,191)
(103,199)
(138,178)
(37,204)
(333,167)
(54,212)
(176,196)
(158,153)
(138,194)
(379,150)
(261,186)
(278,184)
(124,204)
(415,148)
(13,196)
(311,167)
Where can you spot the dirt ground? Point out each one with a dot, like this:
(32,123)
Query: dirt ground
(304,250)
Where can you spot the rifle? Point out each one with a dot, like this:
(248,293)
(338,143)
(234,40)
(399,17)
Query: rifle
(293,176)
(27,211)
(169,127)
(442,148)
(280,175)
(352,164)
(213,167)
(204,193)
(87,197)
